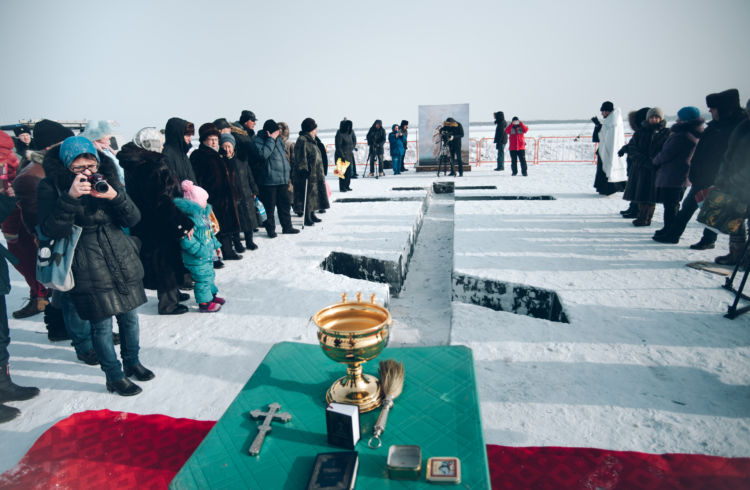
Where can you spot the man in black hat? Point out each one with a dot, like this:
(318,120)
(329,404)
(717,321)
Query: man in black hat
(22,139)
(244,138)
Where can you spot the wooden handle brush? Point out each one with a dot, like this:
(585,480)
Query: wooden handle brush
(392,382)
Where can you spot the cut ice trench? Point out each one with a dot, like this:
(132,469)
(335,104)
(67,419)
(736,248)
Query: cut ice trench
(425,296)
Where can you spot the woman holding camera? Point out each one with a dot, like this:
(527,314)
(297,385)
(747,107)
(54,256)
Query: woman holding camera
(81,187)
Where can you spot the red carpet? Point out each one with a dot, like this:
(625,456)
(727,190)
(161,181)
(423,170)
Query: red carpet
(104,449)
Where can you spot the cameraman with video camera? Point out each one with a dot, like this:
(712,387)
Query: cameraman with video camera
(454,132)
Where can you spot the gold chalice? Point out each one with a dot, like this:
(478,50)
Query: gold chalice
(352,333)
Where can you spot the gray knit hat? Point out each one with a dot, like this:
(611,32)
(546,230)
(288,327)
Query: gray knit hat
(655,111)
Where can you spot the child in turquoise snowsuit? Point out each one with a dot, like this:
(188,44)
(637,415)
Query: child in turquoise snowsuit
(199,250)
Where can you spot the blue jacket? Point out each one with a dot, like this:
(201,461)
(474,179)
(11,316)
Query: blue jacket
(201,248)
(398,143)
(269,160)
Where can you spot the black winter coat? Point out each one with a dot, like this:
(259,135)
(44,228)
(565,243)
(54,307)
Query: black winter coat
(501,137)
(376,137)
(645,144)
(107,271)
(152,186)
(176,150)
(212,174)
(711,147)
(323,202)
(673,161)
(245,191)
(346,142)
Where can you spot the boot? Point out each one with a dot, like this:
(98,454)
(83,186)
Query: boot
(314,218)
(34,306)
(138,371)
(227,252)
(89,357)
(8,413)
(735,253)
(209,307)
(123,387)
(271,231)
(703,244)
(249,243)
(53,320)
(9,391)
(237,244)
(631,212)
(645,213)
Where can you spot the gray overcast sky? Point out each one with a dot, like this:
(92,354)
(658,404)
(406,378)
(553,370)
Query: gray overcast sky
(141,62)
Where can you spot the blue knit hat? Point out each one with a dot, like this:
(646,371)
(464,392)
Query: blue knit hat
(688,113)
(74,147)
(227,137)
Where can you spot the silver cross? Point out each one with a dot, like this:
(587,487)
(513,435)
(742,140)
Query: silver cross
(265,427)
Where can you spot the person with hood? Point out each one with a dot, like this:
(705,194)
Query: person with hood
(308,164)
(611,169)
(272,176)
(178,135)
(456,131)
(9,391)
(345,143)
(501,139)
(673,162)
(198,248)
(376,141)
(648,139)
(152,186)
(47,134)
(106,268)
(22,140)
(516,132)
(733,178)
(213,175)
(726,115)
(397,143)
(245,191)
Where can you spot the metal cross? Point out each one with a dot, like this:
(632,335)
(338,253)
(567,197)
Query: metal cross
(265,427)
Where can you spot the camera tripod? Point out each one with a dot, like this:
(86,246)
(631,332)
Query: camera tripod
(444,158)
(733,312)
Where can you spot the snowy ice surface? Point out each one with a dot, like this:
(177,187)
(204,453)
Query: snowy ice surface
(647,362)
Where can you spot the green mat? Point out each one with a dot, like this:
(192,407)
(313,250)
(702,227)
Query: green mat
(438,411)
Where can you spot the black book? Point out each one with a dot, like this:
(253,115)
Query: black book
(342,425)
(334,471)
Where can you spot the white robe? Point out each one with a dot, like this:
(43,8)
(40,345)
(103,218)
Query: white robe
(611,139)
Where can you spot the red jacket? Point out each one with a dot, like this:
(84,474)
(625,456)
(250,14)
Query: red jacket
(517,138)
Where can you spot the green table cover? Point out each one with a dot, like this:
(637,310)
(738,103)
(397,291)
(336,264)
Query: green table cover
(438,411)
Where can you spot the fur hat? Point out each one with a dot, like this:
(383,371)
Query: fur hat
(270,126)
(74,147)
(284,127)
(48,133)
(636,118)
(499,116)
(247,116)
(227,137)
(96,130)
(607,106)
(655,111)
(206,130)
(726,102)
(194,193)
(190,128)
(149,139)
(308,125)
(404,122)
(688,113)
(222,123)
(18,131)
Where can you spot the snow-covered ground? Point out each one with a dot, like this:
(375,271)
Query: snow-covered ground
(647,362)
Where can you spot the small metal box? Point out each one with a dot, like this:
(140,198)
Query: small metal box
(404,462)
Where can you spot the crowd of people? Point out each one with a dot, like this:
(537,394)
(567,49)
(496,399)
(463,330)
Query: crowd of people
(157,214)
(163,215)
(658,164)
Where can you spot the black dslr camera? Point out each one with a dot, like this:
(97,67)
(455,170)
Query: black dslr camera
(98,183)
(445,134)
